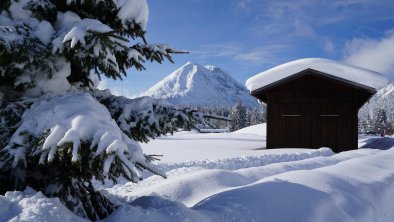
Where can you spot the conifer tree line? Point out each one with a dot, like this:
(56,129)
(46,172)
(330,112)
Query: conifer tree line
(239,115)
(377,115)
(378,124)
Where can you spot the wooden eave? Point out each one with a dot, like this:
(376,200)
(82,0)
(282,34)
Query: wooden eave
(358,86)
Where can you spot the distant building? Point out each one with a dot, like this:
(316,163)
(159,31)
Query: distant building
(313,103)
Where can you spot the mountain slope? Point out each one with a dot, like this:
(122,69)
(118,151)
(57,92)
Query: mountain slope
(383,99)
(193,84)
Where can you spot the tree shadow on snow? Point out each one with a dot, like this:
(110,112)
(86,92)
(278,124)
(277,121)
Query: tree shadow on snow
(379,143)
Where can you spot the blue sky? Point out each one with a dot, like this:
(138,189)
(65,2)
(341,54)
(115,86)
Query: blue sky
(245,37)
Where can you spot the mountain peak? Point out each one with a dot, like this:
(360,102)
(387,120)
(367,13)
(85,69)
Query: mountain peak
(188,63)
(193,84)
(191,64)
(213,68)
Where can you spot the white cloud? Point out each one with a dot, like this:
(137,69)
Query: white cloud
(103,84)
(263,55)
(254,56)
(243,5)
(328,45)
(374,54)
(116,88)
(289,21)
(235,51)
(218,50)
(302,29)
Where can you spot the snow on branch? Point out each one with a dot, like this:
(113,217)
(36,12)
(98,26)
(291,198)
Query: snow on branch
(145,118)
(104,49)
(80,30)
(107,37)
(155,52)
(128,11)
(75,30)
(70,121)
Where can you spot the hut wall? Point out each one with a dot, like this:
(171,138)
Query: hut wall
(312,112)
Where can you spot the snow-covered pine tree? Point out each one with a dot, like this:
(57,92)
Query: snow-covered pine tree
(263,107)
(383,99)
(238,117)
(57,132)
(89,35)
(380,124)
(257,116)
(362,126)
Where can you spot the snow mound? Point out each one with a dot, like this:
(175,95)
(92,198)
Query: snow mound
(30,205)
(258,129)
(248,161)
(355,185)
(356,189)
(351,73)
(349,186)
(184,184)
(193,84)
(156,208)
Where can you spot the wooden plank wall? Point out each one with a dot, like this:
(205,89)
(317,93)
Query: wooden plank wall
(312,112)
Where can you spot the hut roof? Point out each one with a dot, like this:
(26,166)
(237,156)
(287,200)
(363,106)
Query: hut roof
(337,70)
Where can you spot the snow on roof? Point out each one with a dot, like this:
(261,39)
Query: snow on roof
(355,74)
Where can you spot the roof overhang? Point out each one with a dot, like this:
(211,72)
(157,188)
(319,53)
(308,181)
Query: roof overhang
(313,72)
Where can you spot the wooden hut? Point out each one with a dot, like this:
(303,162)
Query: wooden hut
(313,103)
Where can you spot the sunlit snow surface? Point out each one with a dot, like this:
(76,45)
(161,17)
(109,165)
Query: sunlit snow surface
(251,185)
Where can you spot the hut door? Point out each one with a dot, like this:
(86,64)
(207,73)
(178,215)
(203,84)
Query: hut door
(294,125)
(294,131)
(329,130)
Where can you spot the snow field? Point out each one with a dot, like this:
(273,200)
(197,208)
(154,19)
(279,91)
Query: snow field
(192,181)
(229,181)
(193,184)
(258,129)
(191,146)
(271,156)
(350,186)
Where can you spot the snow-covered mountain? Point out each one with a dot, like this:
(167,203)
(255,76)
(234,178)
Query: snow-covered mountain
(383,99)
(193,84)
(387,91)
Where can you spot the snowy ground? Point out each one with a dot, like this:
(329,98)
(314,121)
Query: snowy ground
(222,177)
(187,146)
(191,146)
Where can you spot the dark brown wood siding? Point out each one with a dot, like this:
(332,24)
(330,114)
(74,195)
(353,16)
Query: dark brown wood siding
(313,111)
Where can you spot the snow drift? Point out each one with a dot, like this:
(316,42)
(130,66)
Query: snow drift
(349,186)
